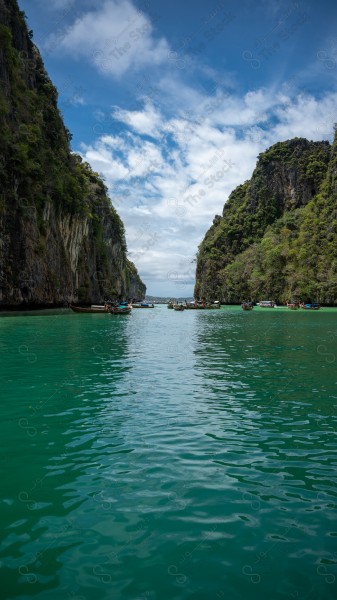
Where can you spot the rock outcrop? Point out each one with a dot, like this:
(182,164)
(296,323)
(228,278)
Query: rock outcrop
(61,240)
(276,236)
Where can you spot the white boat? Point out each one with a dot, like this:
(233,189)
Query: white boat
(266,304)
(191,305)
(94,308)
(142,305)
(215,304)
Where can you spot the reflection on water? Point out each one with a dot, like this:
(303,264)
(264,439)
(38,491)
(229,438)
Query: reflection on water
(169,455)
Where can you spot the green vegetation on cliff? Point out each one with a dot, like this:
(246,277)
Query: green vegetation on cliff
(278,233)
(61,239)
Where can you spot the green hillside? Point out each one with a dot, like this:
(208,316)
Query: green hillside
(277,237)
(60,237)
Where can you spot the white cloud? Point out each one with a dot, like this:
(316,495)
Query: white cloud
(169,189)
(307,114)
(115,37)
(147,121)
(102,160)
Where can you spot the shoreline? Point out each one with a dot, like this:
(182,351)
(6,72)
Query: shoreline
(59,309)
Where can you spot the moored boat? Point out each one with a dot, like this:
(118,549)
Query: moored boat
(120,310)
(310,306)
(178,307)
(142,305)
(191,305)
(215,304)
(293,305)
(123,308)
(247,306)
(197,304)
(266,304)
(94,308)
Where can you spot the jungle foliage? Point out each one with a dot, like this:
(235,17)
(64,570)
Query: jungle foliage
(37,165)
(277,237)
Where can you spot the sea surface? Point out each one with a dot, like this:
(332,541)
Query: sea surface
(169,456)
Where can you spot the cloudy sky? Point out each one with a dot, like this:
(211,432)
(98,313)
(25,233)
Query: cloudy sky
(173,101)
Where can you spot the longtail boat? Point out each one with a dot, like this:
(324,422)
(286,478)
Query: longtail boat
(266,304)
(310,306)
(123,308)
(191,305)
(247,306)
(120,310)
(142,305)
(215,304)
(293,305)
(94,308)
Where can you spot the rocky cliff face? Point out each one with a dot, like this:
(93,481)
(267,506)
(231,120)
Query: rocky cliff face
(60,238)
(260,245)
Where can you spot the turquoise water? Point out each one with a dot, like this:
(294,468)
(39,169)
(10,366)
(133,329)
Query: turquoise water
(167,455)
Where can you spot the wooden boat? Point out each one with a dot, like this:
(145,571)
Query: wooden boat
(247,306)
(310,306)
(121,309)
(266,304)
(293,305)
(194,305)
(94,308)
(191,305)
(170,304)
(142,305)
(212,305)
(179,307)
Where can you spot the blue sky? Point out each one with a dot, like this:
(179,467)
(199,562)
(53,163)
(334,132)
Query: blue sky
(173,101)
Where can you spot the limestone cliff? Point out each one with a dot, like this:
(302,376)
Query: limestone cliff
(263,246)
(61,240)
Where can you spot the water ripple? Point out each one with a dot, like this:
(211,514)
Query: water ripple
(151,457)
